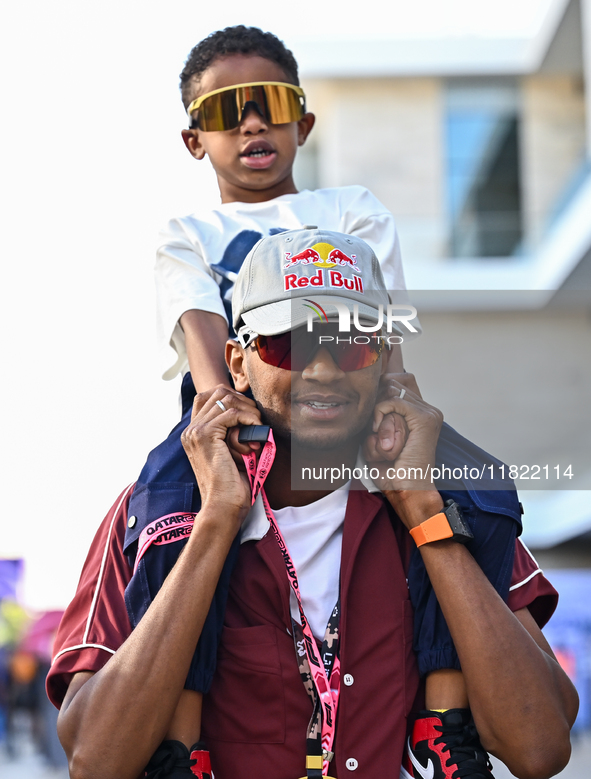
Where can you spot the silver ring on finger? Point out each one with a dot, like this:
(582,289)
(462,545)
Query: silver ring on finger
(221,405)
(402,393)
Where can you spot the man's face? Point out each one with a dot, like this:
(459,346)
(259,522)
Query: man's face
(322,406)
(253,161)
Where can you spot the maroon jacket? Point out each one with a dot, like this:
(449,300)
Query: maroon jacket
(257,712)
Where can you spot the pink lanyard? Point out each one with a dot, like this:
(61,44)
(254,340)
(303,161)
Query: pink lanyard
(327,681)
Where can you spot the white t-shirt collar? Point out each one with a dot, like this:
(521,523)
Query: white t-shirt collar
(256,524)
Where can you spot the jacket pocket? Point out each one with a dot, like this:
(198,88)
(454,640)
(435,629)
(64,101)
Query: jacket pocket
(246,702)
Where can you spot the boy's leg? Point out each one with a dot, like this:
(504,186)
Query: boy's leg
(445,689)
(445,746)
(173,760)
(493,548)
(186,722)
(182,755)
(445,733)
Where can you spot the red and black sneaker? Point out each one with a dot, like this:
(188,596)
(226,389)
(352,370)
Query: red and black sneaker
(201,768)
(445,746)
(172,761)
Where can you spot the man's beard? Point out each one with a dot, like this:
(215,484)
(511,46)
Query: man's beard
(312,439)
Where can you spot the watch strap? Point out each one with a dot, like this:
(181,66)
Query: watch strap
(435,528)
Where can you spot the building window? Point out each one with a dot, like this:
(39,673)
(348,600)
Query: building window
(482,150)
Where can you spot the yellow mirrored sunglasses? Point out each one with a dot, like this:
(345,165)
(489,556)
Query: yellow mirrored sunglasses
(223,109)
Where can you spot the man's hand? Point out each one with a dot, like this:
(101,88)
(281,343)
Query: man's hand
(404,412)
(390,385)
(392,431)
(211,444)
(406,481)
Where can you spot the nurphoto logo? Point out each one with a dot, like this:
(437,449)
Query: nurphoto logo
(360,322)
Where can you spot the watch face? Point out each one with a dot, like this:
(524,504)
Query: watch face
(460,529)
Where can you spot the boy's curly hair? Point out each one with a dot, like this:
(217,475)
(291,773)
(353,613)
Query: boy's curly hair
(235,40)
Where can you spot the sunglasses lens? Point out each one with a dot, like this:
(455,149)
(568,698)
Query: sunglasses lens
(355,356)
(275,350)
(294,350)
(218,112)
(279,104)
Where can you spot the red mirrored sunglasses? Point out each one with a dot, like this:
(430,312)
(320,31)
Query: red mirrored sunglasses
(294,350)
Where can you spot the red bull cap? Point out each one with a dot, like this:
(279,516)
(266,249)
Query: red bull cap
(284,272)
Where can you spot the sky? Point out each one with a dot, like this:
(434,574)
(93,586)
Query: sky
(92,164)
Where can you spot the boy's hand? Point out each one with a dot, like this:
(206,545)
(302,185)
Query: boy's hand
(207,442)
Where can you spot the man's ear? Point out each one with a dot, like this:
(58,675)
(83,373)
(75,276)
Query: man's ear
(236,362)
(305,125)
(192,141)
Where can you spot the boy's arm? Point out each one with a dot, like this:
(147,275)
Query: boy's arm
(185,282)
(205,338)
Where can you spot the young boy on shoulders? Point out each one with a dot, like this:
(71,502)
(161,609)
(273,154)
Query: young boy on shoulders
(251,135)
(247,113)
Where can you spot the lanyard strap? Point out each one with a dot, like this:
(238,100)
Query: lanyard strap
(319,752)
(320,670)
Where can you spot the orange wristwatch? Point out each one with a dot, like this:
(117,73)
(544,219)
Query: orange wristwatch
(449,523)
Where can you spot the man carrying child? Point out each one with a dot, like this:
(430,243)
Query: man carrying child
(241,90)
(322,409)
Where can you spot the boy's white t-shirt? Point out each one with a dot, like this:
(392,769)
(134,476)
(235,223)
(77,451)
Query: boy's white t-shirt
(199,256)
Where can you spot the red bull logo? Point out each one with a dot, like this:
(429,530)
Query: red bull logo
(325,258)
(323,278)
(321,254)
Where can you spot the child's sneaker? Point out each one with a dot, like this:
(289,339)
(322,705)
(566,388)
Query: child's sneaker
(172,761)
(445,746)
(202,766)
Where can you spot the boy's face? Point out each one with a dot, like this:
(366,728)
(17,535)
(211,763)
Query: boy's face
(243,174)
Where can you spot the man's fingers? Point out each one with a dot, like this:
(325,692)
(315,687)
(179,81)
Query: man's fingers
(198,403)
(387,407)
(389,438)
(221,394)
(393,384)
(387,432)
(370,451)
(396,419)
(218,411)
(236,447)
(392,434)
(410,383)
(406,406)
(235,413)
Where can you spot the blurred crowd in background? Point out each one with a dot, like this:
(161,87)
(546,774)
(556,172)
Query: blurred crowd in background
(26,640)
